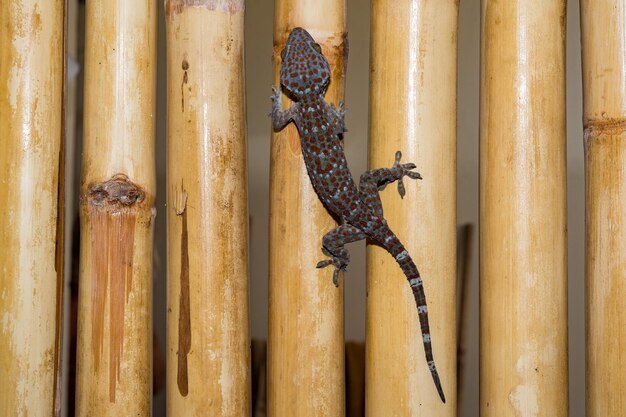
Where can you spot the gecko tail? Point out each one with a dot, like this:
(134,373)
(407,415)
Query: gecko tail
(402,257)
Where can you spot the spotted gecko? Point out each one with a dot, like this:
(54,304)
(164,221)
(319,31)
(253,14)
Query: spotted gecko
(304,76)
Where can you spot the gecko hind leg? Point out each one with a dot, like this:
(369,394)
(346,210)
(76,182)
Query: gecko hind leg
(333,245)
(371,182)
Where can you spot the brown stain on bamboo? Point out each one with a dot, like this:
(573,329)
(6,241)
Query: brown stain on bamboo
(184,308)
(227,6)
(185,67)
(112,208)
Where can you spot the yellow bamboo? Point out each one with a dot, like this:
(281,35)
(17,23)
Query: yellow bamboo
(523,340)
(31,220)
(604,86)
(305,345)
(114,376)
(413,109)
(208,339)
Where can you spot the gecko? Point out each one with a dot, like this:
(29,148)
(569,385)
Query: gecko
(304,78)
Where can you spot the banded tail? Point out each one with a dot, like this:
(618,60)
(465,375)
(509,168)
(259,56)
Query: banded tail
(402,257)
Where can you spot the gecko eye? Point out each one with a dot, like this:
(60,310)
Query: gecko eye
(317,48)
(282,54)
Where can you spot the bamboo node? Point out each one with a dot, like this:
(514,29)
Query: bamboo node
(119,190)
(605,126)
(174,7)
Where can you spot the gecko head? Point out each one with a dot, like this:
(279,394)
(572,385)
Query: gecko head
(303,70)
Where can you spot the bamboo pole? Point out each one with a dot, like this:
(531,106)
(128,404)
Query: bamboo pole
(114,369)
(208,337)
(31,192)
(523,340)
(604,86)
(305,345)
(413,109)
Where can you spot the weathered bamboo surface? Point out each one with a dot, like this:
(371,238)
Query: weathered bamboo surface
(413,109)
(604,88)
(523,296)
(114,369)
(305,345)
(208,353)
(31,222)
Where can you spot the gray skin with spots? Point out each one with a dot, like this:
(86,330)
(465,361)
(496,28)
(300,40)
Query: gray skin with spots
(304,76)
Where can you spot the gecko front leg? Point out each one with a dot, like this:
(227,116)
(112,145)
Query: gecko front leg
(280,117)
(337,119)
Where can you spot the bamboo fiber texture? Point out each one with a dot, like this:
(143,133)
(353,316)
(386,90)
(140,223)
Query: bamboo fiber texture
(523,265)
(604,91)
(114,345)
(31,266)
(306,320)
(413,109)
(208,352)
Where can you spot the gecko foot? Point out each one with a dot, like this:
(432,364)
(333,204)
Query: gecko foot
(340,263)
(404,170)
(340,110)
(275,93)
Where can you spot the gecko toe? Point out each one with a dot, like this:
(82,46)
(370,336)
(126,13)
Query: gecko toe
(324,263)
(336,277)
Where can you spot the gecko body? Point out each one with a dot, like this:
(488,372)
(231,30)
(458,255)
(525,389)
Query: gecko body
(304,76)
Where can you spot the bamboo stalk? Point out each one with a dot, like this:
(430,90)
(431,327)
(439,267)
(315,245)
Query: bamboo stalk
(604,87)
(305,345)
(208,333)
(31,197)
(523,340)
(413,109)
(114,370)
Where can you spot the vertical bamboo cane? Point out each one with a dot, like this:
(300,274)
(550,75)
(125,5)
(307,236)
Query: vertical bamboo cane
(413,109)
(114,372)
(523,340)
(604,82)
(208,338)
(305,346)
(31,223)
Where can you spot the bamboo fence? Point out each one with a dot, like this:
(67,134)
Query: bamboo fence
(604,91)
(306,328)
(413,109)
(114,356)
(31,205)
(523,294)
(523,340)
(207,213)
